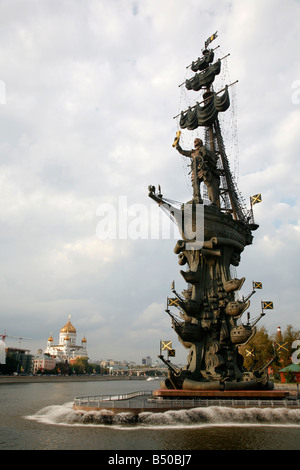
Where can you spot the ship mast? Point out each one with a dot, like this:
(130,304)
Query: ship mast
(230,199)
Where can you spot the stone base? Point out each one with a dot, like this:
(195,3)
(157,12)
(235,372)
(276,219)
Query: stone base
(163,400)
(237,394)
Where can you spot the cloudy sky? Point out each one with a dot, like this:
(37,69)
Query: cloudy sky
(89,89)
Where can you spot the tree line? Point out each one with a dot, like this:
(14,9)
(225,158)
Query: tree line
(256,353)
(263,347)
(78,367)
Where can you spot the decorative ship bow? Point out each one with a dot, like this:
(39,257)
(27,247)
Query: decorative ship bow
(214,234)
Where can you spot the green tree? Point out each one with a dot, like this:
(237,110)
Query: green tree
(61,368)
(258,351)
(80,365)
(284,347)
(93,368)
(262,347)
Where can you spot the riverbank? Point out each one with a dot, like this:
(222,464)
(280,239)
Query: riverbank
(21,379)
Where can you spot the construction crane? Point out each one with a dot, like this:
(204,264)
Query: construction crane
(2,345)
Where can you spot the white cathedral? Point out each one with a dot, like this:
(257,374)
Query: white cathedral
(67,349)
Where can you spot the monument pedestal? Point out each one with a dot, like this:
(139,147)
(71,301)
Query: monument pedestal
(230,394)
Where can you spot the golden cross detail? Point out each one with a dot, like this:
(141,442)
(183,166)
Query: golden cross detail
(267,305)
(249,353)
(166,345)
(256,198)
(257,285)
(281,346)
(173,302)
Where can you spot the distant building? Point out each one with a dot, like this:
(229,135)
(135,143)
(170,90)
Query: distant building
(42,363)
(117,369)
(290,373)
(22,357)
(147,361)
(66,349)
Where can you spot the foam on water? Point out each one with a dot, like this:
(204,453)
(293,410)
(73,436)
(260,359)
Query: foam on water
(64,415)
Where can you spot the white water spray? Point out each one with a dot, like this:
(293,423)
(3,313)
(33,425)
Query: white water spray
(64,415)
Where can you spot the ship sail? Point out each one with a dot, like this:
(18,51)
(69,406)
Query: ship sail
(203,62)
(204,79)
(207,114)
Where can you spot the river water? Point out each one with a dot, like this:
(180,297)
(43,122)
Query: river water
(39,416)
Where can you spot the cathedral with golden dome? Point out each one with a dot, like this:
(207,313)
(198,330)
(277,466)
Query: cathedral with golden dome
(66,349)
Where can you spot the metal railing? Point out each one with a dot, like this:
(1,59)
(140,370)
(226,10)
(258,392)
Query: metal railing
(127,399)
(260,403)
(91,400)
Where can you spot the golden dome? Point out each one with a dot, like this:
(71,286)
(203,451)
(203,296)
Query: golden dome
(50,337)
(68,328)
(67,338)
(83,340)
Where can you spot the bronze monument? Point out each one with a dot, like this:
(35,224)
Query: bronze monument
(208,313)
(215,227)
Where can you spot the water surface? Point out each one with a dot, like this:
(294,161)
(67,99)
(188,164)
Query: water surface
(39,416)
